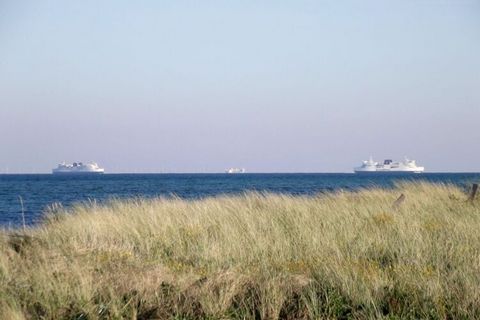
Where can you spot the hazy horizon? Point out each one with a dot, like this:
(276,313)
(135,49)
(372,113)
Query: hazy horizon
(291,86)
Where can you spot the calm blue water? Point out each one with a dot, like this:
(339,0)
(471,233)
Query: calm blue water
(38,191)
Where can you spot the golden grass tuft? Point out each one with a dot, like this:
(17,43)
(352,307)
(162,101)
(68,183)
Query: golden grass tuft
(254,256)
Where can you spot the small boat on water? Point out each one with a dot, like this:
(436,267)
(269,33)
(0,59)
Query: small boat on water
(389,166)
(78,168)
(235,170)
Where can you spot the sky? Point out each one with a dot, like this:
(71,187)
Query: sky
(271,86)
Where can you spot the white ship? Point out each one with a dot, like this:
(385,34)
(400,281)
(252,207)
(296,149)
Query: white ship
(406,166)
(235,170)
(78,168)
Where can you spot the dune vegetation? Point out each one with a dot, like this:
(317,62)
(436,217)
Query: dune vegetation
(342,255)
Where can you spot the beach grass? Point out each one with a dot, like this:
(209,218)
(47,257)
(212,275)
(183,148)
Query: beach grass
(339,255)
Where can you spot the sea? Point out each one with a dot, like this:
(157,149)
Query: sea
(28,195)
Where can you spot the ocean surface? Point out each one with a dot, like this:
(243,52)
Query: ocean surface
(37,191)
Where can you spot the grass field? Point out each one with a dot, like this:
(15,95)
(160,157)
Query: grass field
(255,256)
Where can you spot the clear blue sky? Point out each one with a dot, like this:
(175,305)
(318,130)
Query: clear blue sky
(199,86)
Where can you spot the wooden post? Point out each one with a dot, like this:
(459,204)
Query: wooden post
(473,193)
(23,212)
(399,201)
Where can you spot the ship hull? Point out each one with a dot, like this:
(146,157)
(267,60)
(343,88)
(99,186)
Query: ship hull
(77,172)
(387,172)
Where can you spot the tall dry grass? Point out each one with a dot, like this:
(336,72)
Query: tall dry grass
(255,256)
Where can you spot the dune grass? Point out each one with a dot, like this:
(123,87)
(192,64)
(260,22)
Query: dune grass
(256,256)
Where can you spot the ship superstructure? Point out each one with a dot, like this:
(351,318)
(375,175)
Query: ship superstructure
(388,165)
(78,168)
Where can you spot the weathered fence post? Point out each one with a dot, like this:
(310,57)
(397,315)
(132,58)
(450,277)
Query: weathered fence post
(399,201)
(23,212)
(473,193)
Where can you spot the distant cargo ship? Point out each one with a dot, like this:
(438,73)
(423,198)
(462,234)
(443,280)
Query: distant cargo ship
(406,166)
(78,168)
(235,170)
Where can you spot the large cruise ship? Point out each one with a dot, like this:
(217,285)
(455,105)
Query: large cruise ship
(78,168)
(389,166)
